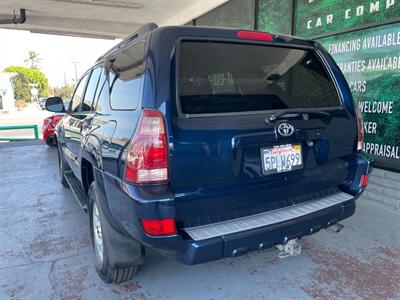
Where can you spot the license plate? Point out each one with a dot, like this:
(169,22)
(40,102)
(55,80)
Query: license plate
(281,158)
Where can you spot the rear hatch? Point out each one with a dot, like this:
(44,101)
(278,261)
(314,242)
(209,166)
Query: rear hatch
(258,127)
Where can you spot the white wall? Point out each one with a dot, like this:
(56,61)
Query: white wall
(7,92)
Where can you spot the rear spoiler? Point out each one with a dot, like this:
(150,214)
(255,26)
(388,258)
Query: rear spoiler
(146,28)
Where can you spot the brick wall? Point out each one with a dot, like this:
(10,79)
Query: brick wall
(384,187)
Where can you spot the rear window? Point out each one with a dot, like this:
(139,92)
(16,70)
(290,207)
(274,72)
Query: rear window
(220,77)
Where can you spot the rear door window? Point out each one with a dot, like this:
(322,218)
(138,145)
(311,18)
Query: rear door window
(79,92)
(103,103)
(87,104)
(221,77)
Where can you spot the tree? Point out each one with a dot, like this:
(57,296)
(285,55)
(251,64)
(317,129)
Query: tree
(21,87)
(64,92)
(25,76)
(33,60)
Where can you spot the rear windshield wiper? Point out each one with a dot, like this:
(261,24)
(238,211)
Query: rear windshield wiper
(276,115)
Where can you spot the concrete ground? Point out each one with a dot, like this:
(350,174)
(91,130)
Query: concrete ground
(45,252)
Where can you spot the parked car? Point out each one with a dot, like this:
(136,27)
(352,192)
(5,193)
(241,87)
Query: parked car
(49,124)
(204,143)
(42,102)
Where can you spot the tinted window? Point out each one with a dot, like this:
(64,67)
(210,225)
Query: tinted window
(103,103)
(111,77)
(227,77)
(125,94)
(99,86)
(126,77)
(76,99)
(91,90)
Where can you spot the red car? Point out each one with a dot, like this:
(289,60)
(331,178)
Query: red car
(49,136)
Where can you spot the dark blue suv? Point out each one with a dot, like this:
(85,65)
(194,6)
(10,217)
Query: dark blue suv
(204,143)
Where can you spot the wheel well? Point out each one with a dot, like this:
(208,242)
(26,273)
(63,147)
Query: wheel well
(87,174)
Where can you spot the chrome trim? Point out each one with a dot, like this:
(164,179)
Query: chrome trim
(266,218)
(71,155)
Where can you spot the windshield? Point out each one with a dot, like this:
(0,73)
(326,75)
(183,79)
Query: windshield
(221,77)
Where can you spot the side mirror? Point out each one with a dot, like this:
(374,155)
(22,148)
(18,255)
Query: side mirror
(55,104)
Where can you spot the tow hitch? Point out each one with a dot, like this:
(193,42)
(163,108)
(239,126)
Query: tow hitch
(291,248)
(336,228)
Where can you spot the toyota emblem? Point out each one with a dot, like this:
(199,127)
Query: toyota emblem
(285,129)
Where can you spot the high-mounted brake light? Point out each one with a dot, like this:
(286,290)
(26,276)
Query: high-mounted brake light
(360,131)
(159,227)
(147,158)
(254,35)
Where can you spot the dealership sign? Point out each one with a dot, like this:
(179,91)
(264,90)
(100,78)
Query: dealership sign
(370,61)
(315,17)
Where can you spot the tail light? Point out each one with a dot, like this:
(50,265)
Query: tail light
(147,158)
(56,119)
(364,181)
(360,132)
(159,227)
(52,121)
(254,35)
(47,122)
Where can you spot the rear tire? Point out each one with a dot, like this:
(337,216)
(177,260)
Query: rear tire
(101,245)
(51,142)
(62,167)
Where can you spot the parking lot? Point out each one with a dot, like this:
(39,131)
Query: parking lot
(45,251)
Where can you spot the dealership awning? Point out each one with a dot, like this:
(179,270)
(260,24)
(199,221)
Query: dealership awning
(100,18)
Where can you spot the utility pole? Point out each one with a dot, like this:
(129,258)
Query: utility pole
(76,71)
(65,84)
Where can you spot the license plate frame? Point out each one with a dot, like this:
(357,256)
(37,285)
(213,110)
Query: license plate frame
(269,152)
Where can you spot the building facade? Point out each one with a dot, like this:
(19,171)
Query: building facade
(363,36)
(7,102)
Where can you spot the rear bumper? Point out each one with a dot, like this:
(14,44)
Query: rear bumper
(232,245)
(126,211)
(267,218)
(125,205)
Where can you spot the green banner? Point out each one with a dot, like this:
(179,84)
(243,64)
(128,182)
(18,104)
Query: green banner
(370,61)
(314,17)
(274,16)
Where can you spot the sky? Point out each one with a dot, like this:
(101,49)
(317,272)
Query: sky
(57,53)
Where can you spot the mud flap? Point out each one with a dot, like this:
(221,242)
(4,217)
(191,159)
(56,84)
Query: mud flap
(122,250)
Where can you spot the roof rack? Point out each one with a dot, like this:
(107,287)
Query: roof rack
(141,31)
